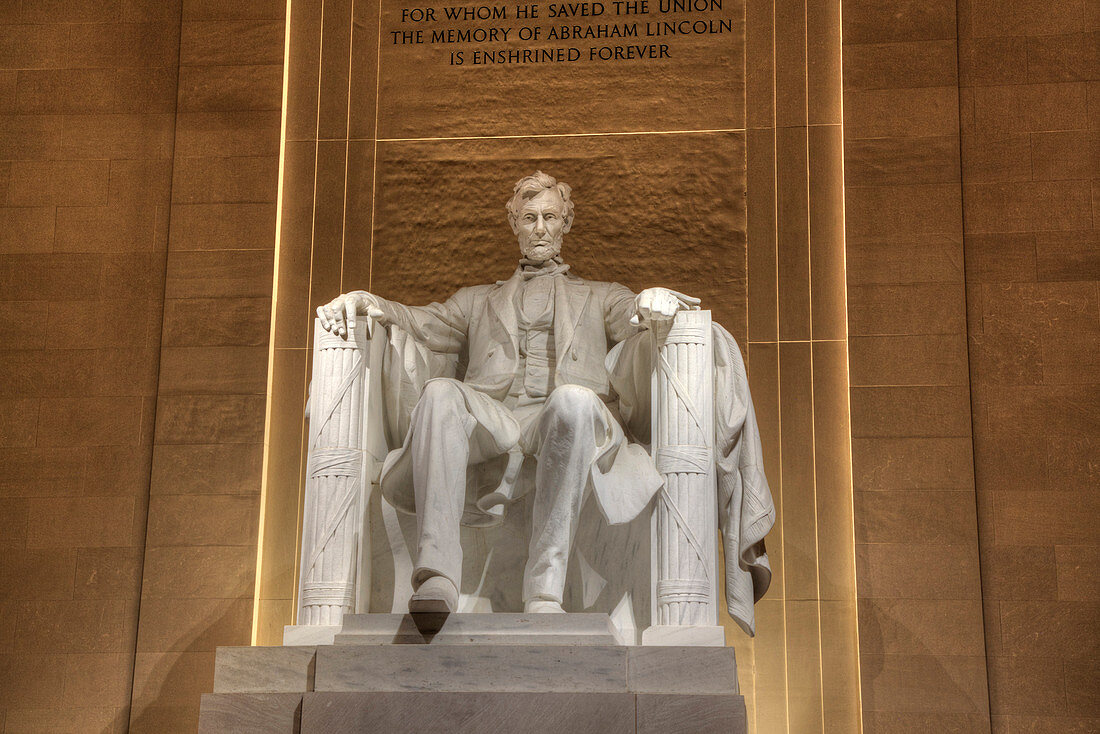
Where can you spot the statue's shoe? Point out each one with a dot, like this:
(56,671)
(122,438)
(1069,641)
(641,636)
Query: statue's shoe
(437,595)
(543,606)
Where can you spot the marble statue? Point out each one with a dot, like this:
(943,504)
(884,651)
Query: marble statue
(547,385)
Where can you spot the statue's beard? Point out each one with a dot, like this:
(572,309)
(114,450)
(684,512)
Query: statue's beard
(540,252)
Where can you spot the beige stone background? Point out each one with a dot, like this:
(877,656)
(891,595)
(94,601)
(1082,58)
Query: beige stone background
(407,173)
(139,184)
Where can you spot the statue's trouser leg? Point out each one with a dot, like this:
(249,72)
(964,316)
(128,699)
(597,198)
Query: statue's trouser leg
(571,426)
(441,429)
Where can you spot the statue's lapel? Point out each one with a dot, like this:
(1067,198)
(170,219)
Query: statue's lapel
(569,305)
(502,302)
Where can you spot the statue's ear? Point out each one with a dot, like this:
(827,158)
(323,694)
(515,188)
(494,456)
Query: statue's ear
(514,224)
(567,226)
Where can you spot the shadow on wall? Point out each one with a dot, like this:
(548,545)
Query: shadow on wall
(959,690)
(167,693)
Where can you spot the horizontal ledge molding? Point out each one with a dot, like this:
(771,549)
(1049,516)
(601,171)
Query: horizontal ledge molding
(529,137)
(797,341)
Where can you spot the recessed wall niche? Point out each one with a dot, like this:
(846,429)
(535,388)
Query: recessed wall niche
(695,170)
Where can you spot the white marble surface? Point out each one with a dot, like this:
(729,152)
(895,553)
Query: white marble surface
(344,454)
(469,713)
(401,689)
(656,669)
(609,571)
(685,548)
(660,713)
(530,668)
(310,634)
(681,635)
(643,547)
(473,629)
(703,670)
(263,669)
(250,713)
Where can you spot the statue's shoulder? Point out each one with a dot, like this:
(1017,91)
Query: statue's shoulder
(480,291)
(578,280)
(471,295)
(602,287)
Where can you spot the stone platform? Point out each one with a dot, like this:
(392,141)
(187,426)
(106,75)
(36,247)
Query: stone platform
(524,682)
(477,629)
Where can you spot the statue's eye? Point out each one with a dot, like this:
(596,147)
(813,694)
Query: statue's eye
(548,216)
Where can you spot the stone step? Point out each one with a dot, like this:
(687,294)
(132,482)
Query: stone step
(251,713)
(566,668)
(525,668)
(264,669)
(466,629)
(533,668)
(474,688)
(406,712)
(526,713)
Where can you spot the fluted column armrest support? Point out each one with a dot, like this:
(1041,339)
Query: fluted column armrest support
(685,520)
(341,465)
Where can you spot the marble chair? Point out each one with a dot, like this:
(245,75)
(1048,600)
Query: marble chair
(657,576)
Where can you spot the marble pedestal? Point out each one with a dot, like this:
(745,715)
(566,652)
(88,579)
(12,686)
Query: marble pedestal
(477,629)
(522,681)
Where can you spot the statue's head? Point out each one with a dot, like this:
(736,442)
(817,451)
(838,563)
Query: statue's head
(540,213)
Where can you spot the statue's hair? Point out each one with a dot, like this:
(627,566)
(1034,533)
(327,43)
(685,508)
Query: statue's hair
(531,186)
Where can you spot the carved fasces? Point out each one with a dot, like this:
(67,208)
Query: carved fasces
(685,546)
(338,478)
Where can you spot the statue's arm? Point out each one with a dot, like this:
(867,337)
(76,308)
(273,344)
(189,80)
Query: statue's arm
(625,313)
(442,327)
(619,313)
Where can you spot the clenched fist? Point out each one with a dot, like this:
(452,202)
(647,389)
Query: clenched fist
(661,304)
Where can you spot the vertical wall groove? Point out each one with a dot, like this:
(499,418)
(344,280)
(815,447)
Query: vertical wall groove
(1029,173)
(970,374)
(198,581)
(911,419)
(159,346)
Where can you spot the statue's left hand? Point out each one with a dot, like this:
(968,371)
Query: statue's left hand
(661,304)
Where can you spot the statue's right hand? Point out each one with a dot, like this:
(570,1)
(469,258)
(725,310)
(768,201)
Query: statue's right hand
(340,314)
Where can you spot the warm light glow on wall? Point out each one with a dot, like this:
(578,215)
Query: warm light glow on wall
(257,606)
(800,674)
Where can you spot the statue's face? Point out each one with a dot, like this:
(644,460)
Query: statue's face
(540,226)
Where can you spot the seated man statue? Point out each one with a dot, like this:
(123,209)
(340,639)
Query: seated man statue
(535,388)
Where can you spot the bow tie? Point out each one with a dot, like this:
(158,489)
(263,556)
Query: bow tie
(530,269)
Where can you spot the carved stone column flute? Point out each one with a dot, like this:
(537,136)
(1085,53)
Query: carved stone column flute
(335,496)
(685,523)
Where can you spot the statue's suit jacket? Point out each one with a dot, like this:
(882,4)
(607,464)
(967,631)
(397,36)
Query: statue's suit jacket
(480,327)
(599,348)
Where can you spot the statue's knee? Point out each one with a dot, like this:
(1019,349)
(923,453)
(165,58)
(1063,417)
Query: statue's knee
(441,394)
(441,389)
(572,401)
